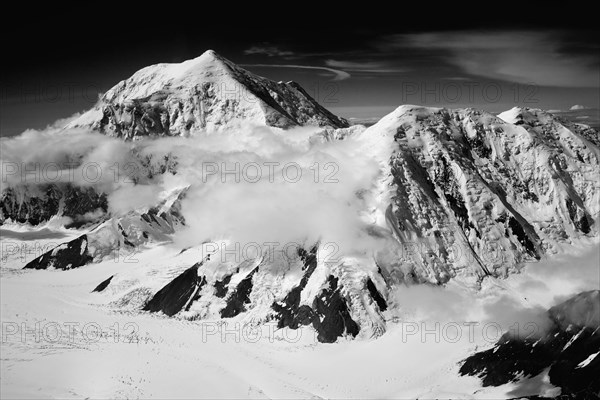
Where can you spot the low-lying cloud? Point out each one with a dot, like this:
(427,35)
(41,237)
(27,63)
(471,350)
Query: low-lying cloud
(247,184)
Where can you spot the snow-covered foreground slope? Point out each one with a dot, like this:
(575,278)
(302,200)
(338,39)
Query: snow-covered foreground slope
(206,93)
(152,356)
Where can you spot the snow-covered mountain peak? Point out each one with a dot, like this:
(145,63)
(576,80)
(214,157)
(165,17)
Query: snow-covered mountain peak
(208,67)
(380,136)
(526,115)
(208,92)
(504,193)
(211,56)
(540,122)
(405,109)
(512,115)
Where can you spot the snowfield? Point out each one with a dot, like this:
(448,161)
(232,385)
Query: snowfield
(139,355)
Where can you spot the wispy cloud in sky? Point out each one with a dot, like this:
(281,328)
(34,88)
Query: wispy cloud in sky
(368,66)
(268,50)
(516,56)
(338,74)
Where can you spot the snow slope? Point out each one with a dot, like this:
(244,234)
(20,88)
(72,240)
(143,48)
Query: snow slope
(205,93)
(151,356)
(465,190)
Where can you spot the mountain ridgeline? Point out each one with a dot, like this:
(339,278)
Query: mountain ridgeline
(460,194)
(206,93)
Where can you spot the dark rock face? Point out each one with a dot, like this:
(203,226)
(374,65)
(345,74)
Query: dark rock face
(580,218)
(564,348)
(303,108)
(239,298)
(69,255)
(165,221)
(221,287)
(103,285)
(38,205)
(517,230)
(332,317)
(140,117)
(381,303)
(290,314)
(32,209)
(591,134)
(155,165)
(177,294)
(79,201)
(328,314)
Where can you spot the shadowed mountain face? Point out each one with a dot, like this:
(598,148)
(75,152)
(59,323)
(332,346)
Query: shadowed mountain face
(117,236)
(65,256)
(328,313)
(37,204)
(177,294)
(206,93)
(568,351)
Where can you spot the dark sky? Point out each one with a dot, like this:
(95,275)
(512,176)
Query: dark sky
(360,66)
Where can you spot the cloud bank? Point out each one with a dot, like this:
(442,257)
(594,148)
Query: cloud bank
(247,184)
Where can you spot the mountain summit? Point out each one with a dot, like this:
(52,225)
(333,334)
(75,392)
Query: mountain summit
(205,93)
